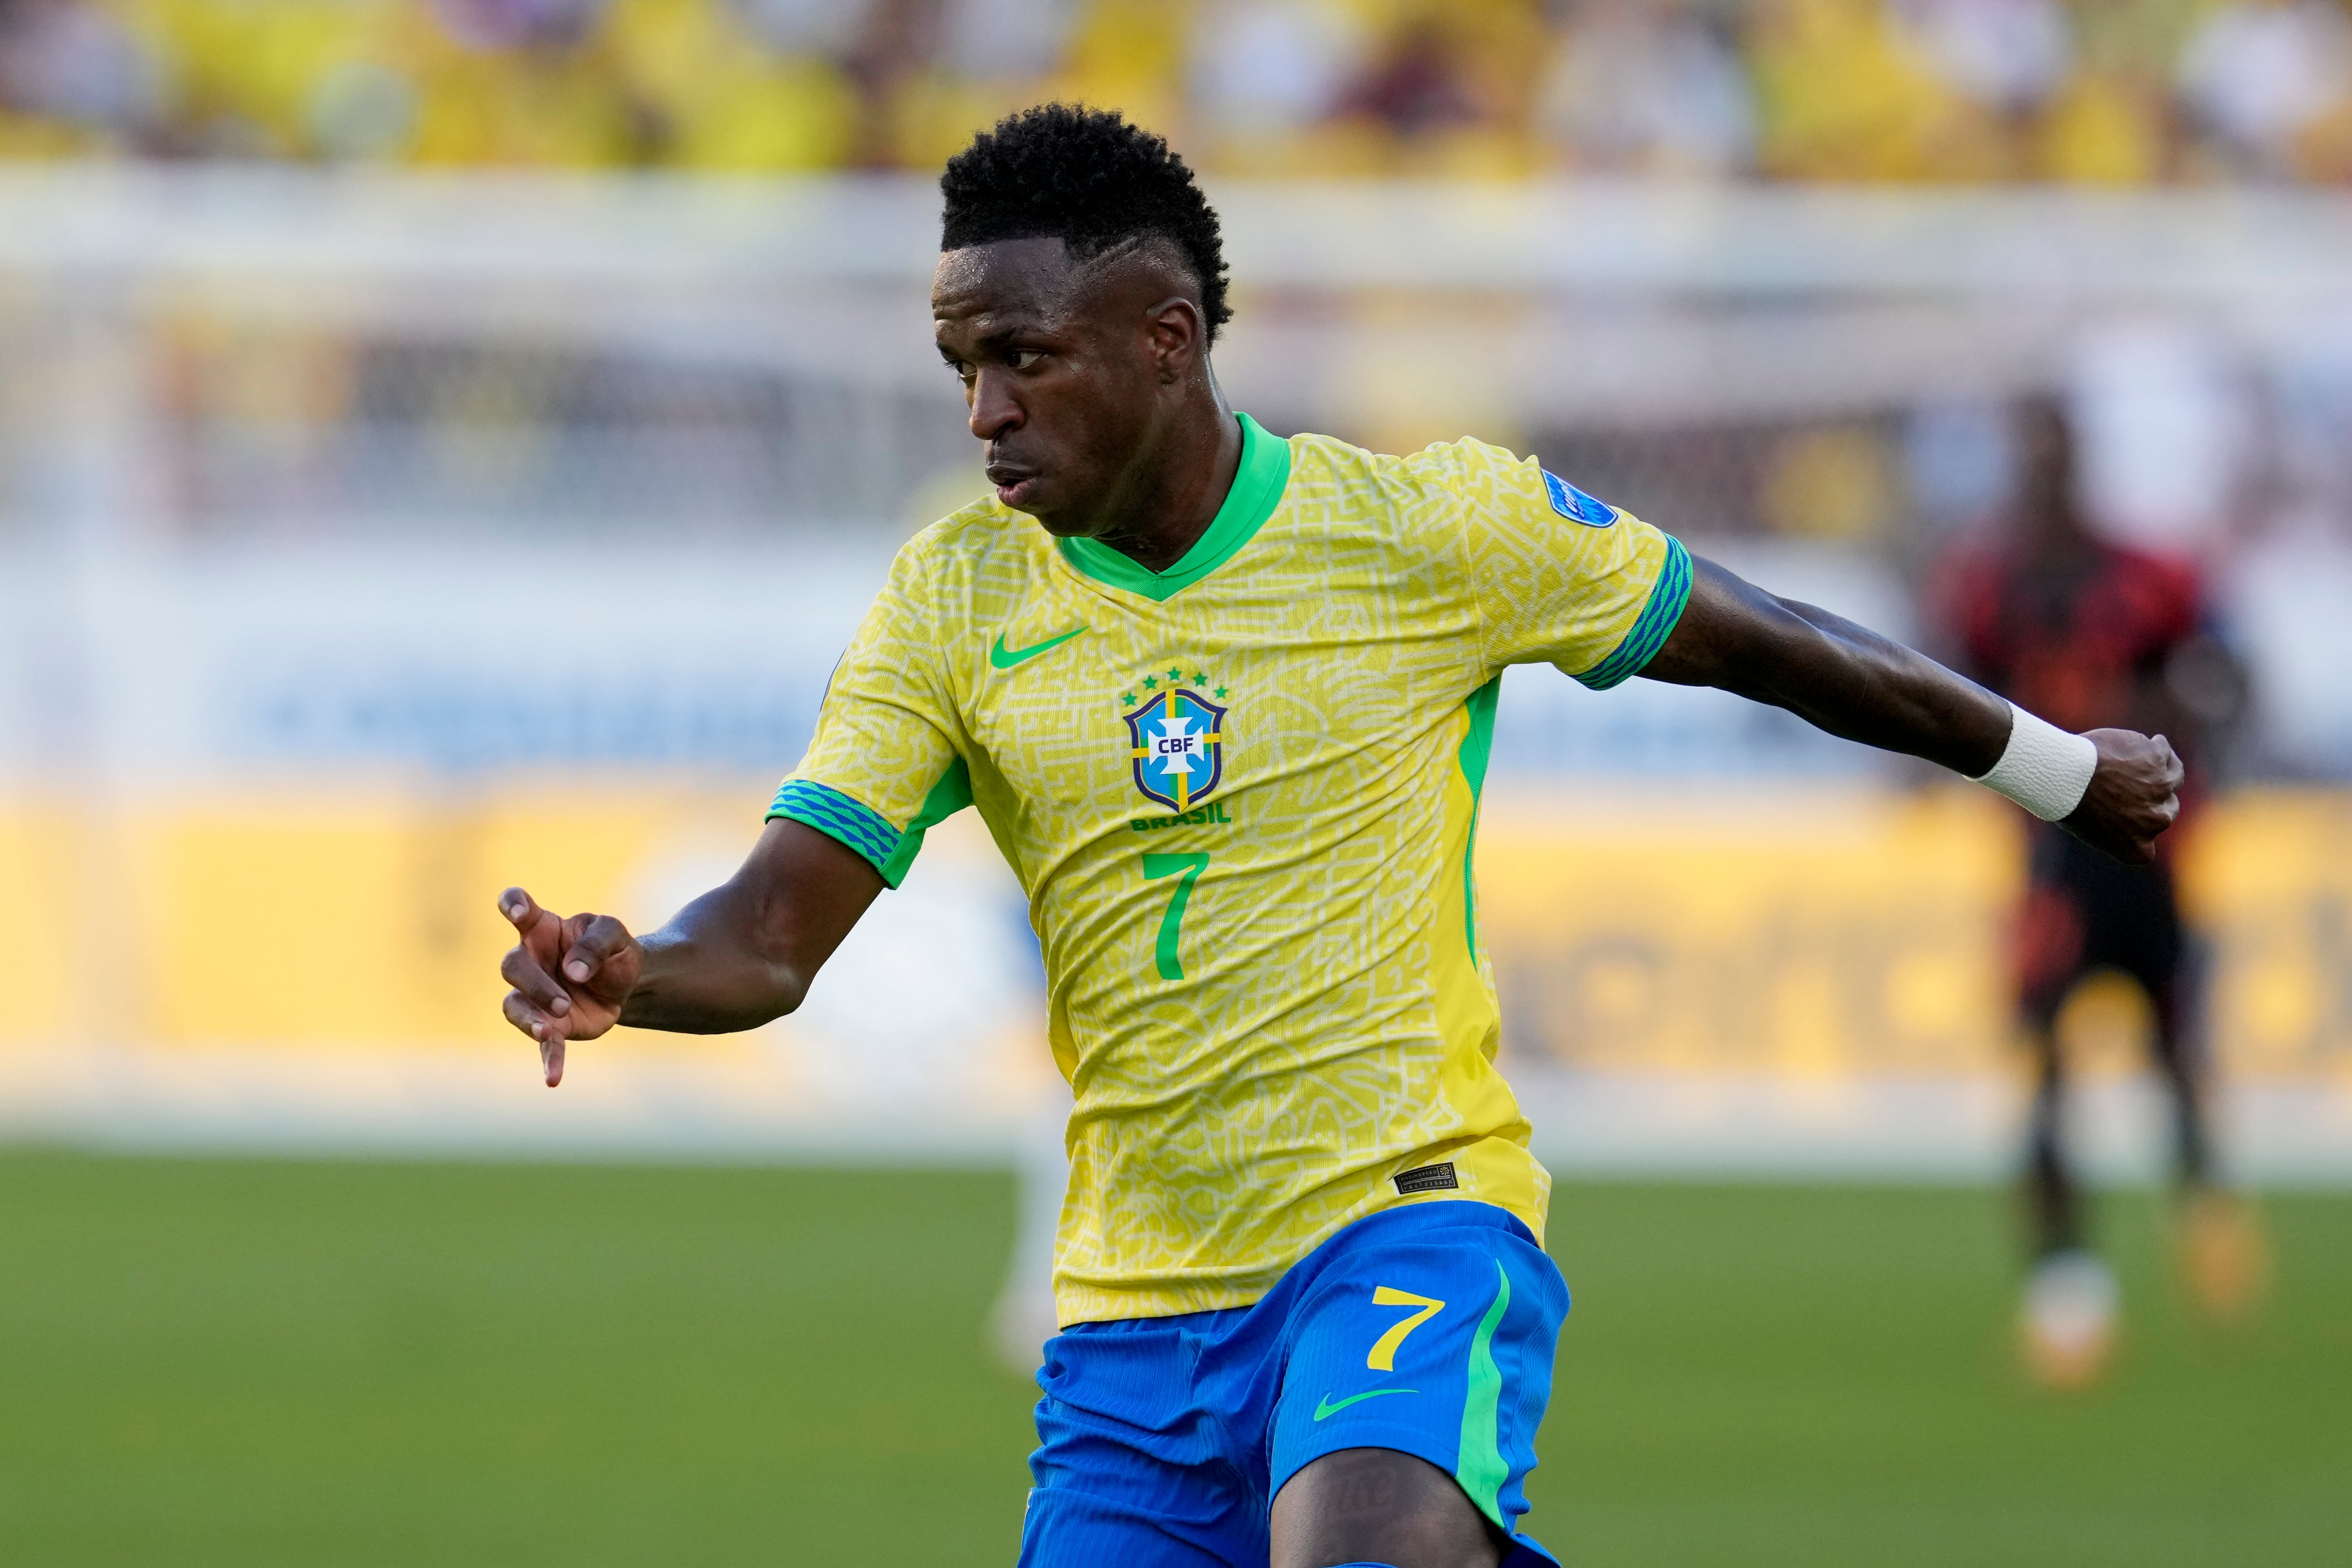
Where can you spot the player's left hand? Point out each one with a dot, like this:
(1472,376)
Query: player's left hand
(2134,795)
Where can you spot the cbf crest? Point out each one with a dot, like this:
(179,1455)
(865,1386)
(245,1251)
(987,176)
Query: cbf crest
(1176,738)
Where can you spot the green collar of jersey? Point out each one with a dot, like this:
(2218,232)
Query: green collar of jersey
(1257,489)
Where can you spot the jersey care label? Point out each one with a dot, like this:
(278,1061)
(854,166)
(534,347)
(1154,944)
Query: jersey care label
(1427,1178)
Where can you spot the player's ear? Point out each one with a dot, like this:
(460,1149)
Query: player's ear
(1176,338)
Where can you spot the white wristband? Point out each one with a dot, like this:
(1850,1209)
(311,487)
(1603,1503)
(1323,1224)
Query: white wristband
(2042,768)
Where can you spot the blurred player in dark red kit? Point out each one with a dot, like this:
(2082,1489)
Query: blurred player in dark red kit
(2089,632)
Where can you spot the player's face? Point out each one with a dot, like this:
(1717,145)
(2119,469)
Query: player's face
(2045,491)
(1065,369)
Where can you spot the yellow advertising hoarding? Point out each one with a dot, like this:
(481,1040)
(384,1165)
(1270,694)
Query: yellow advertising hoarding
(1856,932)
(1801,936)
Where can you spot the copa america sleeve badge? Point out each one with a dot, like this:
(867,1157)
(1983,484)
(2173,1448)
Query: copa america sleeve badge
(1574,504)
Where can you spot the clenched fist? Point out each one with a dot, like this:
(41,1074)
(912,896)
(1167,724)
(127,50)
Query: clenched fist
(2133,797)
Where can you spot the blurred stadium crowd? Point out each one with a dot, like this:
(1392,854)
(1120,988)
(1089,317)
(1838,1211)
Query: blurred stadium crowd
(2127,92)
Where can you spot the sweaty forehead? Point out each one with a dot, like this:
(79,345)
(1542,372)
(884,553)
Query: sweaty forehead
(1037,280)
(1025,279)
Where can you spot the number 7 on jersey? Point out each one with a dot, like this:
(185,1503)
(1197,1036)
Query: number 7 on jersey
(1186,870)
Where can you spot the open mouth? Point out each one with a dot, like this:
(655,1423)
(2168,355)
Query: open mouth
(1014,483)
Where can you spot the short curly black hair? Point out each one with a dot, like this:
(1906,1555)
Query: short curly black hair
(1086,177)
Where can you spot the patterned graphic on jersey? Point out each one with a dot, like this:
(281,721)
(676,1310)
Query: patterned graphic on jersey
(1283,1005)
(1177,740)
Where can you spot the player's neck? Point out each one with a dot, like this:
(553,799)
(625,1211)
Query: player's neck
(2062,544)
(1179,486)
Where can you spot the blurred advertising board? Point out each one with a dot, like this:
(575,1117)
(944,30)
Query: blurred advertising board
(1818,980)
(1801,985)
(248,884)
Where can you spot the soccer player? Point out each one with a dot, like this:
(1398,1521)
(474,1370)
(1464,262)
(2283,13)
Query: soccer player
(1223,700)
(2090,633)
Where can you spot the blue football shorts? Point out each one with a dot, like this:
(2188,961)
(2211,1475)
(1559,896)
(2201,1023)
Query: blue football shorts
(1428,1329)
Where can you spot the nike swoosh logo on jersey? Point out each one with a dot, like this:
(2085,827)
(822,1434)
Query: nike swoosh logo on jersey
(1323,1407)
(1005,658)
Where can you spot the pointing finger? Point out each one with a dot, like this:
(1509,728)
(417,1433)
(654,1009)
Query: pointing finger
(550,1059)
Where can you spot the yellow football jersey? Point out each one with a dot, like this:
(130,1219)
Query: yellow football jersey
(1240,795)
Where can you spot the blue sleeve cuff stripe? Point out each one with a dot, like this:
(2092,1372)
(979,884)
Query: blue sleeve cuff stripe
(1657,621)
(836,816)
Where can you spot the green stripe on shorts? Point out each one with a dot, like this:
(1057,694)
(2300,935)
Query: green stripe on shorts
(1480,1467)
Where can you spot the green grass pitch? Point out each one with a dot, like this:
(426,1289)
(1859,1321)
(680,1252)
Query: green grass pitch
(215,1363)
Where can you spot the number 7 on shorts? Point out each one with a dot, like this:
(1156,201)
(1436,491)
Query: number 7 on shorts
(1384,1349)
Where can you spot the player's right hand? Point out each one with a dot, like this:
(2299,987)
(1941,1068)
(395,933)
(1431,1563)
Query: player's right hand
(2133,797)
(571,976)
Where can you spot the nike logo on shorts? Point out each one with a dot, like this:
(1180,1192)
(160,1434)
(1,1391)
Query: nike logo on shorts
(1323,1407)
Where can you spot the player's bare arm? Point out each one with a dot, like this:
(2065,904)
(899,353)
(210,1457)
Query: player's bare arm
(1853,682)
(735,957)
